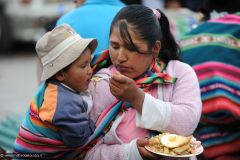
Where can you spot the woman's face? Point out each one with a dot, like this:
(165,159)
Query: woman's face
(127,62)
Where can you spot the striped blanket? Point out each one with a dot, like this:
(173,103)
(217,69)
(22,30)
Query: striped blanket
(213,49)
(36,136)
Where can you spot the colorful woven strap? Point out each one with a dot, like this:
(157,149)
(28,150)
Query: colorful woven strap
(101,60)
(154,75)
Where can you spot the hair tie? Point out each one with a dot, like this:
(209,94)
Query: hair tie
(157,13)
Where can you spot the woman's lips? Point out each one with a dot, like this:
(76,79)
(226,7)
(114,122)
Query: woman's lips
(121,68)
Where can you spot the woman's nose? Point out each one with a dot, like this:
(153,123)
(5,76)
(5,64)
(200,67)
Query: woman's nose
(122,55)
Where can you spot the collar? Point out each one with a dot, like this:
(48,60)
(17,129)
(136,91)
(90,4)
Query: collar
(64,85)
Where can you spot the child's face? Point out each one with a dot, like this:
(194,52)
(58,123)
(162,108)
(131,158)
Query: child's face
(79,73)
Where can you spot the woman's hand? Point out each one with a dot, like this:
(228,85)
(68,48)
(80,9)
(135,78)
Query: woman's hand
(145,154)
(125,89)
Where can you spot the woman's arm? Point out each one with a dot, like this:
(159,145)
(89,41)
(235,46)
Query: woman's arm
(125,89)
(181,113)
(186,104)
(178,113)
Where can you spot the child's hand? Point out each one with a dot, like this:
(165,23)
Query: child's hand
(125,89)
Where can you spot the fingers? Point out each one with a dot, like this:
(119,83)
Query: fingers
(122,87)
(142,142)
(118,77)
(115,90)
(114,85)
(117,83)
(114,82)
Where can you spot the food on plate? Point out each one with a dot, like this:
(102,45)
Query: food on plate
(173,140)
(173,144)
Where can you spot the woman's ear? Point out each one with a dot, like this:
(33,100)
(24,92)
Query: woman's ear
(60,76)
(156,49)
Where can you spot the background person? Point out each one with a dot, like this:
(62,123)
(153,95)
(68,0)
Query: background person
(182,19)
(213,51)
(93,19)
(78,2)
(142,93)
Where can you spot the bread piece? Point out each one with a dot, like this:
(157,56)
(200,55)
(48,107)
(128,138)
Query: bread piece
(181,150)
(154,141)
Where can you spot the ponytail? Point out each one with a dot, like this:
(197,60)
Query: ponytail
(170,50)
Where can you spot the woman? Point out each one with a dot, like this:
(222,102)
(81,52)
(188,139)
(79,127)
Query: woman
(155,91)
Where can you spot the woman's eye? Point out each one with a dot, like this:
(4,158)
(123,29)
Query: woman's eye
(132,49)
(114,46)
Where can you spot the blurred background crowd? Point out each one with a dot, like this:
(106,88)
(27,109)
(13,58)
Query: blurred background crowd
(208,34)
(28,20)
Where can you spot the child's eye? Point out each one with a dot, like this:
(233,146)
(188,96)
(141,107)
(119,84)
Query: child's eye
(83,66)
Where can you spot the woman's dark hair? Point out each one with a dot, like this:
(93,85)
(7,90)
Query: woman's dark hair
(143,22)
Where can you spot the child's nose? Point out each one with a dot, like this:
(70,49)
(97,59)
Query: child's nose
(90,71)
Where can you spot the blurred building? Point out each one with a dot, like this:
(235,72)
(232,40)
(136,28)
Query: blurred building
(25,20)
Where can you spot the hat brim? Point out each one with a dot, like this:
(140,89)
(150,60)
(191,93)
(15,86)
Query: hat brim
(68,56)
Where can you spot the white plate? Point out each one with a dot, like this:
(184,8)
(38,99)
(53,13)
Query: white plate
(199,151)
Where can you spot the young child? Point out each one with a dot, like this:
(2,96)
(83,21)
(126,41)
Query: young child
(57,120)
